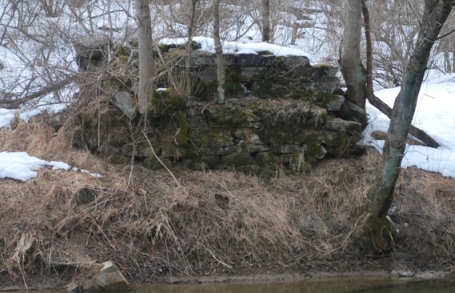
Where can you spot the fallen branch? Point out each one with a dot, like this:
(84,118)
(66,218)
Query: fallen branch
(373,99)
(14,104)
(218,260)
(414,131)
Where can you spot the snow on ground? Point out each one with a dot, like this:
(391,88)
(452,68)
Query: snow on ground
(434,114)
(21,166)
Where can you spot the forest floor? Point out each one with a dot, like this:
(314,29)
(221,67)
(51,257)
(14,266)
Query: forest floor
(193,226)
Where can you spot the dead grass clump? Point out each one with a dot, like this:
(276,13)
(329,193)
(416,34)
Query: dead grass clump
(424,211)
(212,222)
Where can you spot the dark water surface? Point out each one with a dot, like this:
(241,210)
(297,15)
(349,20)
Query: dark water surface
(338,286)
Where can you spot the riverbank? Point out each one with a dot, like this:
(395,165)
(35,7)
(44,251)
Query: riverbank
(216,225)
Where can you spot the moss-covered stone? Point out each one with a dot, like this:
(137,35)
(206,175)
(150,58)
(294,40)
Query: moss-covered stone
(290,116)
(165,102)
(329,101)
(313,149)
(222,116)
(181,138)
(337,124)
(238,159)
(266,159)
(211,137)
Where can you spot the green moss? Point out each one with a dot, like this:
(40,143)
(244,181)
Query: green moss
(215,137)
(313,150)
(227,117)
(165,102)
(316,120)
(182,136)
(265,159)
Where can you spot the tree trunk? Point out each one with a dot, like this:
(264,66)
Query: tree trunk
(266,20)
(447,63)
(189,48)
(351,64)
(376,234)
(146,59)
(375,101)
(219,51)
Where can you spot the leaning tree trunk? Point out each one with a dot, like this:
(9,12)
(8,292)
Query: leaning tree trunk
(376,234)
(219,51)
(146,60)
(372,98)
(351,64)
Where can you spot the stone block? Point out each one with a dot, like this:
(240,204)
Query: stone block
(237,159)
(111,279)
(337,124)
(249,60)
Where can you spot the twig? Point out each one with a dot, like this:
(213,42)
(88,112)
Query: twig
(12,104)
(220,261)
(159,160)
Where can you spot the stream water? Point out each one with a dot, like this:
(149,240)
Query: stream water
(338,286)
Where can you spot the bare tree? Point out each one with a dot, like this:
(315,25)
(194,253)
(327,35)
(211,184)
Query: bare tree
(376,233)
(146,59)
(219,51)
(189,48)
(265,20)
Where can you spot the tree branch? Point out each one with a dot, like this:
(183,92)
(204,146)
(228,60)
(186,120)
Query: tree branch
(14,104)
(372,98)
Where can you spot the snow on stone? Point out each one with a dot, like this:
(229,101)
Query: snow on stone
(208,45)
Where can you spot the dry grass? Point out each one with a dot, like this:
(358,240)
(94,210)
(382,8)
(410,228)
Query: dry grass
(214,222)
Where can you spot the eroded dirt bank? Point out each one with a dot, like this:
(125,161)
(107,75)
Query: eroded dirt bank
(206,224)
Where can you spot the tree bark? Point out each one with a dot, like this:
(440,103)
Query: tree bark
(372,98)
(219,51)
(146,59)
(189,48)
(351,64)
(266,20)
(376,236)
